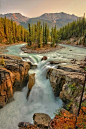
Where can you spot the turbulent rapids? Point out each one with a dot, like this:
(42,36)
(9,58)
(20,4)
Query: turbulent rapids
(41,98)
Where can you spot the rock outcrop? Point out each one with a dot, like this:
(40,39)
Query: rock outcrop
(31,83)
(67,82)
(6,82)
(13,77)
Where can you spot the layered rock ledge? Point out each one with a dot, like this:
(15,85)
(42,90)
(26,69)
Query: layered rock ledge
(67,82)
(13,77)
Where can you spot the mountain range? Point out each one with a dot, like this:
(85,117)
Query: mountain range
(52,19)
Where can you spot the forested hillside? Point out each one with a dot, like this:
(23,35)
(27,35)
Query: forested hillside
(76,29)
(41,34)
(52,19)
(10,32)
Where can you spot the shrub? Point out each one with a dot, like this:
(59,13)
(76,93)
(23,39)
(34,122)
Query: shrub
(85,68)
(2,62)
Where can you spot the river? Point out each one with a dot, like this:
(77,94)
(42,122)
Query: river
(41,98)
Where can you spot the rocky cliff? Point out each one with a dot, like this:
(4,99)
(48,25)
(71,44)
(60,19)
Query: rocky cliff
(67,82)
(13,77)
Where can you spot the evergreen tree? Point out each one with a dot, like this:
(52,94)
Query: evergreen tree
(29,40)
(46,33)
(43,34)
(10,38)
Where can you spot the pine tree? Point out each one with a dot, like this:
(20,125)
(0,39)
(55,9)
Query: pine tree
(43,34)
(52,37)
(39,34)
(10,38)
(46,33)
(5,28)
(29,40)
(2,35)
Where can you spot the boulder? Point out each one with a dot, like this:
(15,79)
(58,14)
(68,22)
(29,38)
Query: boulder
(41,120)
(44,58)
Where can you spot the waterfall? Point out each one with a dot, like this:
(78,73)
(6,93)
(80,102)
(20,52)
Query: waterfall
(41,98)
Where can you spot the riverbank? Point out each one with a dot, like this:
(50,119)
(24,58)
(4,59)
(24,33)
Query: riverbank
(46,49)
(74,45)
(4,46)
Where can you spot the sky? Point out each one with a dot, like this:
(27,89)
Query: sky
(34,8)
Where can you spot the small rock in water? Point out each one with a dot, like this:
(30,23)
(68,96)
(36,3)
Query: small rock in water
(44,58)
(54,57)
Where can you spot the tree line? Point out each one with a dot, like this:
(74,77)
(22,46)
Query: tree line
(10,32)
(75,29)
(40,35)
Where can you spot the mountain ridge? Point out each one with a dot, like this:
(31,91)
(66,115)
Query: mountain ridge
(17,17)
(52,19)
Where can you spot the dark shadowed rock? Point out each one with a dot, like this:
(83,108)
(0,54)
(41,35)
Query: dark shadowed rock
(27,125)
(44,58)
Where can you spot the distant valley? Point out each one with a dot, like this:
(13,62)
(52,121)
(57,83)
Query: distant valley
(52,19)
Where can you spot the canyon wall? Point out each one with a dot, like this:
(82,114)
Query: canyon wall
(13,77)
(67,83)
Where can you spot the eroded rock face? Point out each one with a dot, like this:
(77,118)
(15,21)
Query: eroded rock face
(67,82)
(6,82)
(31,83)
(13,77)
(41,120)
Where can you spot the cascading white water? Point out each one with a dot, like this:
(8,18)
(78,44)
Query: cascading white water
(41,98)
